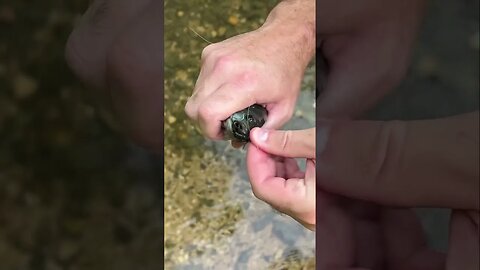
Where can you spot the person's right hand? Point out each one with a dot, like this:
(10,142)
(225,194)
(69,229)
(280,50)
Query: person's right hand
(369,173)
(367,47)
(265,66)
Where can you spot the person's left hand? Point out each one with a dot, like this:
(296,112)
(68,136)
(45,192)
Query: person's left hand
(116,49)
(275,176)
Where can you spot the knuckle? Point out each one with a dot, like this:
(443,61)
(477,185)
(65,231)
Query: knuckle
(223,64)
(207,51)
(126,66)
(189,109)
(76,59)
(205,112)
(246,80)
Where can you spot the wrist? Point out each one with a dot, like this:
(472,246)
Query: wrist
(291,25)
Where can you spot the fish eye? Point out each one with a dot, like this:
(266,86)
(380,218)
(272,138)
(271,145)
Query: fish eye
(250,118)
(237,126)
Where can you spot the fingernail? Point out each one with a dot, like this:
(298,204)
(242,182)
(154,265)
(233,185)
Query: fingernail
(262,135)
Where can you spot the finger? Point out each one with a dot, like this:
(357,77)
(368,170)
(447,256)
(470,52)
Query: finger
(282,194)
(335,246)
(311,180)
(403,234)
(292,170)
(464,246)
(262,170)
(220,105)
(361,75)
(90,40)
(417,163)
(280,167)
(135,77)
(290,143)
(279,114)
(303,210)
(200,92)
(369,241)
(406,242)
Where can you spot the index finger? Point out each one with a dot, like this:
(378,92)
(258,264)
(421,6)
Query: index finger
(262,173)
(221,104)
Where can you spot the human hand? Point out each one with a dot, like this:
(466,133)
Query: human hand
(274,173)
(379,170)
(264,66)
(117,50)
(367,47)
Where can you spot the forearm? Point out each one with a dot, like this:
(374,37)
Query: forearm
(293,22)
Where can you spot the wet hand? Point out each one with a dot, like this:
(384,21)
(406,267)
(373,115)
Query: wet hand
(274,173)
(264,66)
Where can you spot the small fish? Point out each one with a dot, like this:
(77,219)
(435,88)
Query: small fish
(237,127)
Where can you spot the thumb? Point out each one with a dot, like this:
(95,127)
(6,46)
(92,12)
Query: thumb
(416,163)
(285,143)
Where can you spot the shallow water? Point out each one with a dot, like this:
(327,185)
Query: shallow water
(212,219)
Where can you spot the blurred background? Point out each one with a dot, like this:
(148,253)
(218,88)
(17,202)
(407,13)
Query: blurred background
(75,194)
(442,81)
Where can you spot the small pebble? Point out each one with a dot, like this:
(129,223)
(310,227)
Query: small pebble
(181,75)
(24,86)
(233,20)
(222,30)
(172,119)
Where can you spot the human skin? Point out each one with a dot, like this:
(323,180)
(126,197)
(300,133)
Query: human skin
(356,221)
(117,51)
(384,168)
(369,175)
(367,46)
(264,66)
(275,176)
